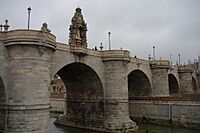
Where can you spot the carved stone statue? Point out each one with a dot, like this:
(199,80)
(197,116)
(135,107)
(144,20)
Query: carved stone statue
(45,28)
(78,29)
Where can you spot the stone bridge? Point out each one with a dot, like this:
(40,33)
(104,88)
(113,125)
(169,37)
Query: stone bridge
(99,83)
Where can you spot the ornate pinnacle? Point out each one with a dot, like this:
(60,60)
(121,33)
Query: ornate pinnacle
(78,29)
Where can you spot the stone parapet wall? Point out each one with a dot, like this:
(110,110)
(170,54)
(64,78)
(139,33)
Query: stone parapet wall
(140,61)
(115,55)
(111,54)
(14,35)
(185,68)
(160,62)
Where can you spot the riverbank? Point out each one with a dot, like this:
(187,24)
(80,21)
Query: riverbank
(177,111)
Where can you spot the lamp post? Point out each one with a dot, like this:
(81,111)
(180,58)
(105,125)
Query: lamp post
(29,13)
(179,59)
(154,53)
(171,59)
(109,40)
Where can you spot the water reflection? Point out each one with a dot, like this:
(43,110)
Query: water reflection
(147,128)
(59,129)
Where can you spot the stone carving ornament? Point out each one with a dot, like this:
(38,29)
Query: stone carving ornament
(78,29)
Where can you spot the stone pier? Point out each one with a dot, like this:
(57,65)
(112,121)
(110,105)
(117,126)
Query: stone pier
(116,92)
(29,61)
(185,75)
(160,78)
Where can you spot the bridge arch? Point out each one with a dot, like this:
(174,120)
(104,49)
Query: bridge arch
(138,84)
(173,84)
(194,85)
(84,94)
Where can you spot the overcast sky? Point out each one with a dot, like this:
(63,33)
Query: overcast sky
(173,26)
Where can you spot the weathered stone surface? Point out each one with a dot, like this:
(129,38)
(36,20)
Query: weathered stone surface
(160,82)
(29,60)
(98,83)
(116,96)
(103,75)
(198,79)
(185,82)
(182,113)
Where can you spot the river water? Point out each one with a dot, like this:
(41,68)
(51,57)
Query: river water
(147,128)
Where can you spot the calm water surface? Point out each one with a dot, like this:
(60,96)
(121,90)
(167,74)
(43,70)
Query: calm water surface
(143,129)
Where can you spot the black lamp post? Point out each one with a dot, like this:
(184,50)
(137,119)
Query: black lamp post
(29,13)
(109,40)
(154,53)
(179,59)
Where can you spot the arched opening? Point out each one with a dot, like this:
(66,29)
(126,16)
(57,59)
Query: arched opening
(57,85)
(84,95)
(173,84)
(138,84)
(57,96)
(194,85)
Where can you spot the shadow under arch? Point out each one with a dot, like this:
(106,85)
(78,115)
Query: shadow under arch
(173,84)
(194,85)
(138,84)
(84,95)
